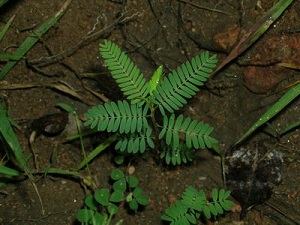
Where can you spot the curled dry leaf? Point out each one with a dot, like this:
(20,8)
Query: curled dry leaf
(50,124)
(251,171)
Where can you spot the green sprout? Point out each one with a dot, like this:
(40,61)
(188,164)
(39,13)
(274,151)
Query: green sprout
(188,209)
(103,205)
(135,119)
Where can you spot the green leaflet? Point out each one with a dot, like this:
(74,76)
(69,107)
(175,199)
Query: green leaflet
(155,79)
(135,142)
(176,156)
(127,75)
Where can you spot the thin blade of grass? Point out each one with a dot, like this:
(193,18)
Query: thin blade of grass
(7,57)
(288,97)
(290,128)
(256,31)
(10,138)
(6,27)
(58,171)
(68,108)
(96,152)
(32,39)
(9,172)
(264,24)
(2,2)
(73,137)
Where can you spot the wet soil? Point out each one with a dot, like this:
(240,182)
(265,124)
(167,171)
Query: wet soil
(153,33)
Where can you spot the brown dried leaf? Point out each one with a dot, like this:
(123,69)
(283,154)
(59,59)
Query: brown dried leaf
(50,124)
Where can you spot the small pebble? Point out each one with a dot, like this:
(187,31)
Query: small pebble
(131,170)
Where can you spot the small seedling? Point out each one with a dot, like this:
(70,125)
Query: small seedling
(122,183)
(103,205)
(135,120)
(193,203)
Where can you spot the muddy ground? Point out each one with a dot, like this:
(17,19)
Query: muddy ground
(153,33)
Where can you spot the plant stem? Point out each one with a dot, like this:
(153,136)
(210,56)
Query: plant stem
(81,143)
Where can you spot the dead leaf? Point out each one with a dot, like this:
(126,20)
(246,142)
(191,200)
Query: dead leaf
(50,124)
(251,171)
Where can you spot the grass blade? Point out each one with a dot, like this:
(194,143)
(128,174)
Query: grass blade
(32,39)
(268,19)
(9,172)
(290,128)
(6,27)
(256,31)
(10,138)
(96,152)
(289,96)
(2,2)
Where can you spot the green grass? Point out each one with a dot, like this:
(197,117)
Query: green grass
(14,149)
(2,2)
(29,42)
(280,105)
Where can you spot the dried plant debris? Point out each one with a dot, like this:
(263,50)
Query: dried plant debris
(252,170)
(50,124)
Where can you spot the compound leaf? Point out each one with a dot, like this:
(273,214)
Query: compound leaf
(173,90)
(196,133)
(131,82)
(122,117)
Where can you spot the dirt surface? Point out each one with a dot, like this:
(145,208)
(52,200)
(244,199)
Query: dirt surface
(153,33)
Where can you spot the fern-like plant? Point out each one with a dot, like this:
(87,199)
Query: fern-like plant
(135,119)
(188,209)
